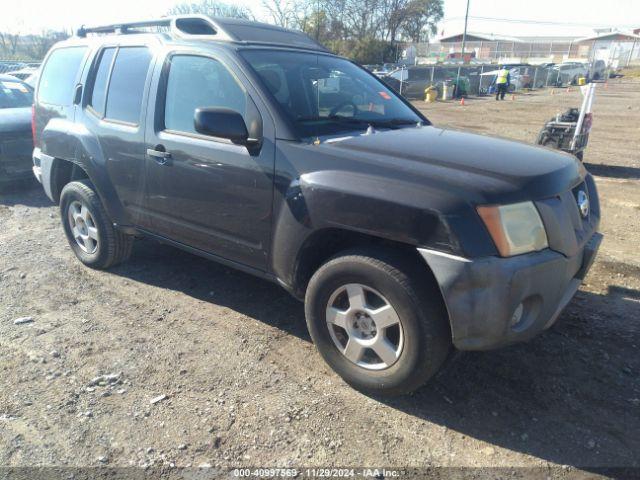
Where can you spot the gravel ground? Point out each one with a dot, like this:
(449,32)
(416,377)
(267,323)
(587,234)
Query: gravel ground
(171,360)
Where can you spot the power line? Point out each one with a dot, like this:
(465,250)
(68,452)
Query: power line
(540,22)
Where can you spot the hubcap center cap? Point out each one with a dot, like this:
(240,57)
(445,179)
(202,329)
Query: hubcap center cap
(82,226)
(364,325)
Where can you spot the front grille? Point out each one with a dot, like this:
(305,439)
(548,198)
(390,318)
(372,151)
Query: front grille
(567,229)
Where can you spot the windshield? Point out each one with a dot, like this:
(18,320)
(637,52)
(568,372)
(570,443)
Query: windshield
(15,94)
(325,95)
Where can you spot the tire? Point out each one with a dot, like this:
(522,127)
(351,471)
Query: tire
(110,246)
(422,337)
(551,142)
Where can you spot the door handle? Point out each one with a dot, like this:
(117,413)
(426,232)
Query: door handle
(159,154)
(77,94)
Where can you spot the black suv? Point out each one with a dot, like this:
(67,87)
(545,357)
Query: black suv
(253,146)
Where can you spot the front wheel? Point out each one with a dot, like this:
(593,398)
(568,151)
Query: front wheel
(91,235)
(376,323)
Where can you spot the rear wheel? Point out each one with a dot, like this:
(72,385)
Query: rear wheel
(91,235)
(375,323)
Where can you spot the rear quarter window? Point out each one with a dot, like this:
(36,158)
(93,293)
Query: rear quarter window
(59,75)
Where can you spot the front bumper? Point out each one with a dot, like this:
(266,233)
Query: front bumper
(482,295)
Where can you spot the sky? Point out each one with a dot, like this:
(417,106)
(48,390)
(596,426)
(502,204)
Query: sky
(549,17)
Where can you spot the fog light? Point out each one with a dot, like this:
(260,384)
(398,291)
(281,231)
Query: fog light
(517,315)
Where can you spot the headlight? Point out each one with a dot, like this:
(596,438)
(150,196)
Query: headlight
(515,228)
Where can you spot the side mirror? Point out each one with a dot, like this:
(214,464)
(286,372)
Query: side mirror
(222,123)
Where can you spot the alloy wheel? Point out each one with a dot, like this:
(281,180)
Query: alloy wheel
(364,326)
(83,227)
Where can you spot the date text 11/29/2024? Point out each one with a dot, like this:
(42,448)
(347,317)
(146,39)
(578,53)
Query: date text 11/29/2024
(317,473)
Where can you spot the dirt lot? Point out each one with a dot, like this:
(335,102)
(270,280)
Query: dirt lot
(243,383)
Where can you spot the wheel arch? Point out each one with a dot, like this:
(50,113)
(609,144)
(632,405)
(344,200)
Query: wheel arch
(76,153)
(323,244)
(62,173)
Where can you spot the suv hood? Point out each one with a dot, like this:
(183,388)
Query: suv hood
(483,169)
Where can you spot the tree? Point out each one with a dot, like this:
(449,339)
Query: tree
(12,40)
(423,15)
(284,13)
(212,8)
(40,44)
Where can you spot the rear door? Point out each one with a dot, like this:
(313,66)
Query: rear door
(114,113)
(207,192)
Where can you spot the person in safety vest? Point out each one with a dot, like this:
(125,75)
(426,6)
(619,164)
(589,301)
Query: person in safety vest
(503,80)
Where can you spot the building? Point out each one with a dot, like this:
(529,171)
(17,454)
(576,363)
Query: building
(616,48)
(611,46)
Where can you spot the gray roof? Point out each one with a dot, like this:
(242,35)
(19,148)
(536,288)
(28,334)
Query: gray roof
(201,27)
(615,35)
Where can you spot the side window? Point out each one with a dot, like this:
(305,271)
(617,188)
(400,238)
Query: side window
(99,91)
(274,77)
(59,74)
(195,82)
(126,86)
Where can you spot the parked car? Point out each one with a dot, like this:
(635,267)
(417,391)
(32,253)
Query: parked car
(253,146)
(10,66)
(382,70)
(569,72)
(416,79)
(16,144)
(32,79)
(521,77)
(413,79)
(23,73)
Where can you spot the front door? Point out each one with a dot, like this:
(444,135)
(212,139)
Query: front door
(207,192)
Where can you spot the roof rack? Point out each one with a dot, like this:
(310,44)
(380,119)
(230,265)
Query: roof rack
(207,28)
(179,25)
(120,28)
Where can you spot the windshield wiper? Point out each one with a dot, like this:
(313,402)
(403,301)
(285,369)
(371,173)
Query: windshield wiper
(390,123)
(394,122)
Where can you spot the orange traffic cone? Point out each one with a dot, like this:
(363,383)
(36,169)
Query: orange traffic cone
(462,101)
(513,97)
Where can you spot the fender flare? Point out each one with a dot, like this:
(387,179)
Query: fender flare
(66,141)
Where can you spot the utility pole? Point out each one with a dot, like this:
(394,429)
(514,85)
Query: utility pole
(318,21)
(464,41)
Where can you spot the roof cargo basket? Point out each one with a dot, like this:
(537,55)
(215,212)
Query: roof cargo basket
(180,25)
(207,28)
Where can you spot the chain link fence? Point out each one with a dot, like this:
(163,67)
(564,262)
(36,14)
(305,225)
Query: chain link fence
(478,80)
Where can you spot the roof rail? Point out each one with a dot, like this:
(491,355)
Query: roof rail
(119,28)
(179,25)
